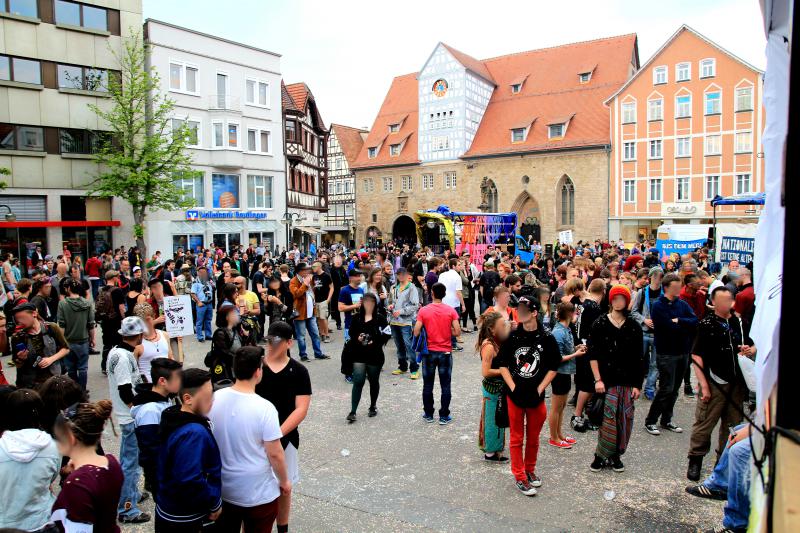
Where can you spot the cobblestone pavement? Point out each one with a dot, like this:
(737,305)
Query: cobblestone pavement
(402,474)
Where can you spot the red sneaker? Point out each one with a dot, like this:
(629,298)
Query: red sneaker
(570,440)
(559,444)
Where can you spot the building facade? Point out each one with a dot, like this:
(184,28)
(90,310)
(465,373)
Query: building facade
(228,95)
(526,132)
(344,144)
(56,58)
(306,149)
(685,128)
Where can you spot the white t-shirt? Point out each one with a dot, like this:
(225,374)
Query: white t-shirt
(122,369)
(452,280)
(241,423)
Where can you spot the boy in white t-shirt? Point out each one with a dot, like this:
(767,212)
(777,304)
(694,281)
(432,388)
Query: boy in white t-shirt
(248,434)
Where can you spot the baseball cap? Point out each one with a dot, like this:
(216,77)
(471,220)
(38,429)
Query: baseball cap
(132,325)
(278,331)
(136,268)
(301,266)
(353,273)
(27,306)
(529,304)
(111,274)
(401,270)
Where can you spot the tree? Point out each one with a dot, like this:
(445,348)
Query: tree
(4,172)
(143,154)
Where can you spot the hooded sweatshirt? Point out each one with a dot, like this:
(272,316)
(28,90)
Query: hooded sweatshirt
(76,317)
(30,455)
(146,411)
(189,467)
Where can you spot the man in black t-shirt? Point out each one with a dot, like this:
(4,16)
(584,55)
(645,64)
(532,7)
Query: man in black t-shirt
(340,279)
(488,281)
(110,316)
(323,292)
(287,386)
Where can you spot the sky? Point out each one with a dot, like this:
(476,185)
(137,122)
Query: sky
(348,51)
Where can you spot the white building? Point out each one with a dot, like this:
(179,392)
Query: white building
(230,95)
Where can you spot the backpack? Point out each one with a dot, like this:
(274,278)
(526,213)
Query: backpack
(104,306)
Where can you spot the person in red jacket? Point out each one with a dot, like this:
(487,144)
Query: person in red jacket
(93,270)
(745,297)
(694,294)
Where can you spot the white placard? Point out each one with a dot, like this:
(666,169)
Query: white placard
(565,237)
(178,313)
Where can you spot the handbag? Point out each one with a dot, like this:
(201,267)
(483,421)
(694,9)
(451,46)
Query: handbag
(420,344)
(501,411)
(594,409)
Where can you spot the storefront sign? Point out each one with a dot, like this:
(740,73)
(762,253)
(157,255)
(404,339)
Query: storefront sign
(682,209)
(205,214)
(737,249)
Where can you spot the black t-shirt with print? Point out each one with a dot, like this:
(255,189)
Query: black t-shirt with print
(322,286)
(529,355)
(281,389)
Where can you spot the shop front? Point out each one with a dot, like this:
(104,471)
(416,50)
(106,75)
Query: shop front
(227,229)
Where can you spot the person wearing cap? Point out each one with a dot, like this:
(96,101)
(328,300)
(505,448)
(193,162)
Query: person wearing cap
(403,307)
(301,288)
(641,312)
(619,366)
(323,292)
(286,384)
(123,377)
(37,347)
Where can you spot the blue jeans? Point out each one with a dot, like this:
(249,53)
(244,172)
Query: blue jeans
(203,326)
(300,327)
(431,362)
(650,353)
(129,461)
(77,362)
(95,288)
(406,357)
(453,339)
(732,475)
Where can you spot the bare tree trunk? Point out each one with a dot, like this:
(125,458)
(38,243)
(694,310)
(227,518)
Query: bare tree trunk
(138,221)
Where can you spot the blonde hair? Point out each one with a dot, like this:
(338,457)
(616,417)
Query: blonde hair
(573,286)
(144,311)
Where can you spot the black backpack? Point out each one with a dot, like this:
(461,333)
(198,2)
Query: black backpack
(104,306)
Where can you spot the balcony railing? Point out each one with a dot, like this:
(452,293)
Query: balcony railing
(224,102)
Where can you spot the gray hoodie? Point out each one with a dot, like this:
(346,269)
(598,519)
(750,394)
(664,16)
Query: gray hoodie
(30,455)
(405,301)
(76,318)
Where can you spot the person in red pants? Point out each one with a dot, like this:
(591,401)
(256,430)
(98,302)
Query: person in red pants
(528,362)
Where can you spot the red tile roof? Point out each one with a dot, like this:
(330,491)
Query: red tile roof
(301,95)
(551,90)
(350,140)
(287,102)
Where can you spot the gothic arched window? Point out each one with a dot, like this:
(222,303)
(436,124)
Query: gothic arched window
(567,204)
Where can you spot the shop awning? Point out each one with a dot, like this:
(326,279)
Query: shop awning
(309,230)
(60,224)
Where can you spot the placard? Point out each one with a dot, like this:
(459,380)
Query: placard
(736,249)
(565,237)
(178,316)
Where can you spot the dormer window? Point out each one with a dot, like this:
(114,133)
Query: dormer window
(556,131)
(394,128)
(516,84)
(515,88)
(585,77)
(372,152)
(518,134)
(394,149)
(585,72)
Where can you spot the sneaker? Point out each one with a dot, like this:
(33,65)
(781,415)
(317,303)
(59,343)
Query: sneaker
(338,327)
(465,329)
(570,440)
(688,391)
(458,348)
(414,375)
(578,423)
(398,372)
(598,464)
(144,496)
(326,339)
(573,401)
(351,418)
(652,429)
(444,420)
(349,379)
(201,340)
(559,444)
(525,488)
(304,358)
(616,464)
(495,458)
(373,411)
(701,491)
(649,395)
(427,418)
(322,357)
(534,480)
(140,518)
(672,427)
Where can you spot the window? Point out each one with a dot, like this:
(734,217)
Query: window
(683,106)
(265,142)
(440,143)
(585,77)
(629,151)
(683,71)
(348,186)
(86,16)
(225,189)
(233,135)
(257,92)
(713,145)
(394,128)
(82,78)
(251,140)
(388,184)
(567,202)
(394,149)
(628,112)
(182,77)
(369,185)
(712,103)
(518,135)
(659,75)
(259,192)
(683,147)
(712,187)
(555,131)
(407,183)
(629,191)
(372,152)
(449,180)
(515,88)
(291,131)
(13,137)
(192,185)
(218,138)
(655,109)
(743,184)
(708,68)
(655,189)
(192,130)
(25,8)
(682,189)
(744,99)
(655,149)
(427,182)
(20,70)
(744,142)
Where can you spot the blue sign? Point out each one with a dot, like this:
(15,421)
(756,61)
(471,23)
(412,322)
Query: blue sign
(204,214)
(666,247)
(737,249)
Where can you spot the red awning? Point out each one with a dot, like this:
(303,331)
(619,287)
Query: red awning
(60,224)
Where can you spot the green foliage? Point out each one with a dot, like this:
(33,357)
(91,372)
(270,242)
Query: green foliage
(4,172)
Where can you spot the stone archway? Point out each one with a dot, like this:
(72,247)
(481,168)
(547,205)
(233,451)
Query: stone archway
(373,234)
(404,230)
(526,207)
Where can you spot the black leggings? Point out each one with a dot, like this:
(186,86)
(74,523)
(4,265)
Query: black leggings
(362,372)
(469,310)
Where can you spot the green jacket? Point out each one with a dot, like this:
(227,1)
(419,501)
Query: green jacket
(76,317)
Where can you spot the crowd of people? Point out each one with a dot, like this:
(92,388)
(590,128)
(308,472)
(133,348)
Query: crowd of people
(598,325)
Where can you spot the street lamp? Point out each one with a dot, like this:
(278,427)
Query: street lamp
(10,216)
(289,219)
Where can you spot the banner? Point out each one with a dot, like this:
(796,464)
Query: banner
(666,247)
(737,249)
(565,237)
(178,316)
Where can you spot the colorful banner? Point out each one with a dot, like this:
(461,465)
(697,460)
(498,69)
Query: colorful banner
(666,247)
(737,249)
